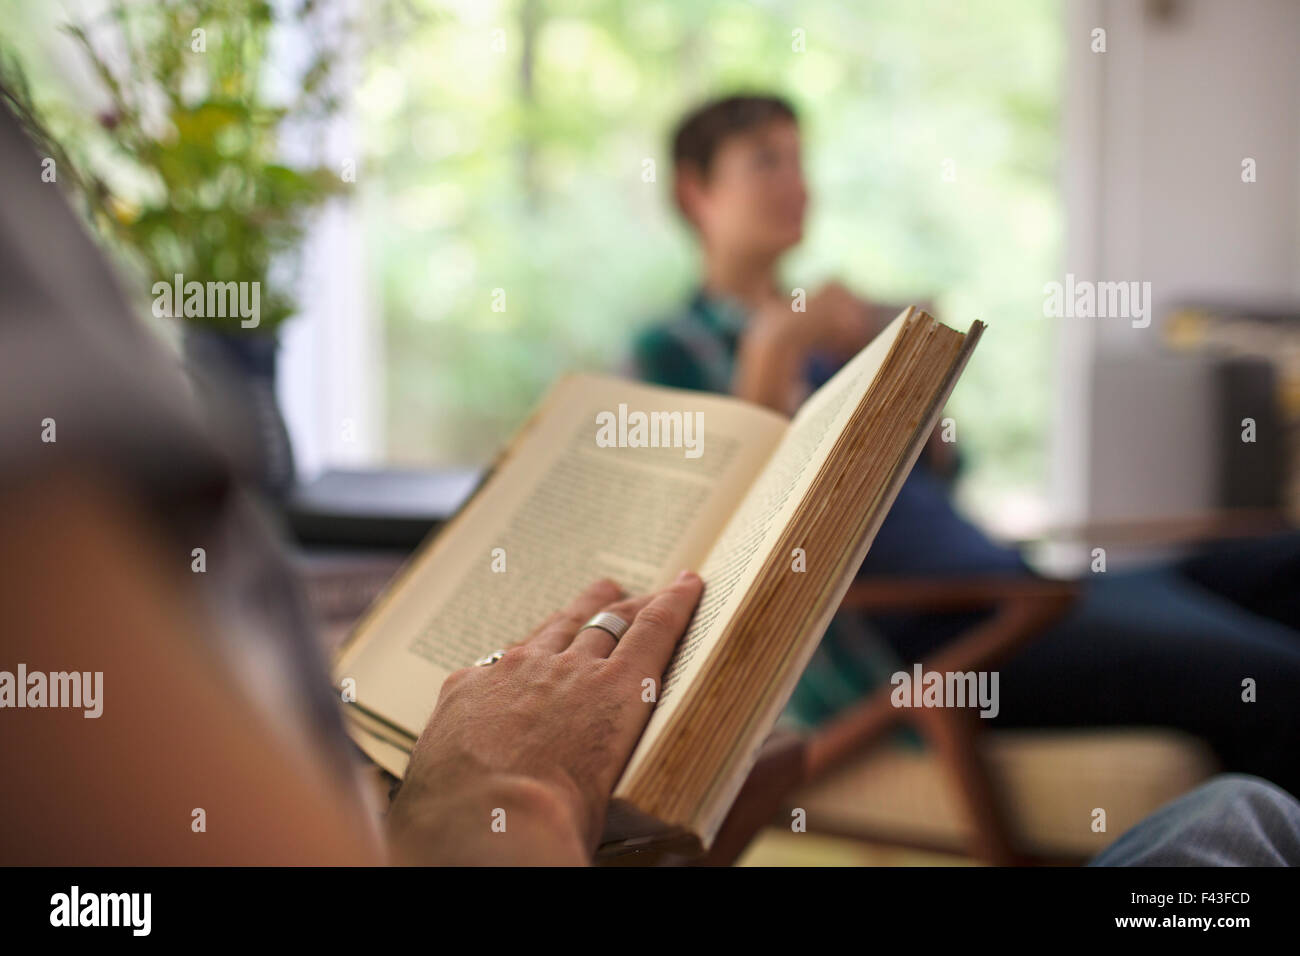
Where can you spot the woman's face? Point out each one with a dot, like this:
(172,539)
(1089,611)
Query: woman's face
(754,198)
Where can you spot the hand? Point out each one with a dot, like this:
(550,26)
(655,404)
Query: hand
(772,359)
(546,731)
(839,321)
(834,319)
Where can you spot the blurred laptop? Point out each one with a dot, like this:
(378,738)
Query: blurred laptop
(355,529)
(388,508)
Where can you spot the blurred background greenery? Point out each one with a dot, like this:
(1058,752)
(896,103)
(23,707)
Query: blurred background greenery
(514,160)
(503,145)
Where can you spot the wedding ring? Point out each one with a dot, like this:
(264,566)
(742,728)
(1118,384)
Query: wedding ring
(611,624)
(490,659)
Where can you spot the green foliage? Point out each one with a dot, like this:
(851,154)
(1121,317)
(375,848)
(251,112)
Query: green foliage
(181,172)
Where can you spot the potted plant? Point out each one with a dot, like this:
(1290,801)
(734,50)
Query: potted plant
(183,174)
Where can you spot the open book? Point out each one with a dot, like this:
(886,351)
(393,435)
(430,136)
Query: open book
(775,514)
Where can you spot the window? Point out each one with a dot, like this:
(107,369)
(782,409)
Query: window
(506,154)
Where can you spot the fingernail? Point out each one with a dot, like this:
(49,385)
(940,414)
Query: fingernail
(685,576)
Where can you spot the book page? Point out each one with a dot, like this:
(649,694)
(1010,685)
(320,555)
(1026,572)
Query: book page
(560,511)
(753,530)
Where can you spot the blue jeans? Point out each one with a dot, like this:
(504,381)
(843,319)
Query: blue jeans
(1233,820)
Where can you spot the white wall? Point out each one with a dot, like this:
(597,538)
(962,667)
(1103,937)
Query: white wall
(1156,131)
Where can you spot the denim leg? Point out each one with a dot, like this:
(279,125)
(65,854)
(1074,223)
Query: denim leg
(1259,574)
(1233,820)
(1151,649)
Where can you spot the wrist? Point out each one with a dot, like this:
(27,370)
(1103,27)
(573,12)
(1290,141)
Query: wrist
(778,327)
(500,819)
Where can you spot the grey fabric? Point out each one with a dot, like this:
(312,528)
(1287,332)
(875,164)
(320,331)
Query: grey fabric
(72,350)
(1233,820)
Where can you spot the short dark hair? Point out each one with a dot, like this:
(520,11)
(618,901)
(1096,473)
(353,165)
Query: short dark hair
(704,129)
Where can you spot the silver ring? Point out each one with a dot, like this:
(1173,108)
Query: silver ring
(611,624)
(490,659)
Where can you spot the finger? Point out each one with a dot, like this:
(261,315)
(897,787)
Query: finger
(648,644)
(560,627)
(599,642)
